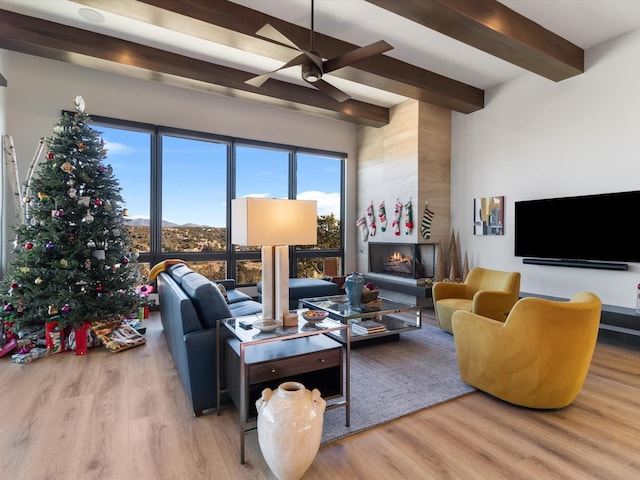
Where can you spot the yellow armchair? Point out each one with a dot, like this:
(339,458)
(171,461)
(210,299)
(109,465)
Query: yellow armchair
(490,293)
(538,358)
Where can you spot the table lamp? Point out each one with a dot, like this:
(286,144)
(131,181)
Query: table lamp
(274,224)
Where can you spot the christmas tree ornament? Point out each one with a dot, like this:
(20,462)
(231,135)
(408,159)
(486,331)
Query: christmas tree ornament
(125,260)
(91,244)
(49,246)
(101,169)
(72,192)
(397,211)
(66,167)
(52,310)
(88,218)
(13,285)
(80,104)
(65,309)
(38,281)
(382,215)
(50,156)
(84,201)
(64,263)
(43,196)
(427,218)
(97,202)
(99,288)
(28,245)
(7,307)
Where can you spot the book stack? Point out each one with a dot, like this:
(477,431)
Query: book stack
(367,327)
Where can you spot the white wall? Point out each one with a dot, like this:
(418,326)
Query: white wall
(536,139)
(3,173)
(39,89)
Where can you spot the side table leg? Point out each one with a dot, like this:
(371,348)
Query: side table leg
(243,403)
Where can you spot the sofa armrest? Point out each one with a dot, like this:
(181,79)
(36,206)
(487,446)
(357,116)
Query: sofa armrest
(202,363)
(228,283)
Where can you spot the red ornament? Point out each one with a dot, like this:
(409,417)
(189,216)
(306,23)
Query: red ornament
(49,155)
(97,202)
(99,288)
(28,245)
(13,284)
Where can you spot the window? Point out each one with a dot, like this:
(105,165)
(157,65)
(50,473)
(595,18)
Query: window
(178,186)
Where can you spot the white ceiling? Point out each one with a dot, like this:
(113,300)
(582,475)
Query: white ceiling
(583,22)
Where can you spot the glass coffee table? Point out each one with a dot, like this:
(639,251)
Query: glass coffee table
(389,320)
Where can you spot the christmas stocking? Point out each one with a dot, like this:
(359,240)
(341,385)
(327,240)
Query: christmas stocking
(408,217)
(427,218)
(396,218)
(371,220)
(361,223)
(382,215)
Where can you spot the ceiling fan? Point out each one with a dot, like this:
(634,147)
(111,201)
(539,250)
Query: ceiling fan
(313,66)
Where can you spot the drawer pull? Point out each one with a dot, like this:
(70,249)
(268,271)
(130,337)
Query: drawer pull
(273,370)
(322,360)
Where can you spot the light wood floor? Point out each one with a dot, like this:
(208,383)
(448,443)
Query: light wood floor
(125,416)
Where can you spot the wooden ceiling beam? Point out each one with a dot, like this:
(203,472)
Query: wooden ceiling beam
(490,26)
(233,25)
(59,42)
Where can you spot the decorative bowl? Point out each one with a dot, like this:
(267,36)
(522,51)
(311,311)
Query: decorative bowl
(314,316)
(369,296)
(267,325)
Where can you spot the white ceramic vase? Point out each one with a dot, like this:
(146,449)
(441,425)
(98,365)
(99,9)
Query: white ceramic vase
(290,423)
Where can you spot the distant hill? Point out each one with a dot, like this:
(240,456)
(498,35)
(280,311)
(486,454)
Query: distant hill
(144,222)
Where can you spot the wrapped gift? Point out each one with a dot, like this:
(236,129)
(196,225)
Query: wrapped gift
(34,354)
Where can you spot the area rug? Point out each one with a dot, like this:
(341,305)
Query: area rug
(394,379)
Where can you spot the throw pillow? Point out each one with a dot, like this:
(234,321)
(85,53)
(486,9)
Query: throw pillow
(223,291)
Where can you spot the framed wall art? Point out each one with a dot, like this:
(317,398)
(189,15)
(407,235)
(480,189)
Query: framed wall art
(488,216)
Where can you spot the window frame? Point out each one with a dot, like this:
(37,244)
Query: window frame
(229,255)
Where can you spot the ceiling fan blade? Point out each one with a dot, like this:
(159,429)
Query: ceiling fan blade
(355,56)
(260,79)
(270,32)
(330,90)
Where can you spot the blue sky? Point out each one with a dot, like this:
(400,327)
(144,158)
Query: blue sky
(200,199)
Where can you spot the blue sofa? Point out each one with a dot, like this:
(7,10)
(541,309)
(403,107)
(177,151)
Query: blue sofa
(306,288)
(190,305)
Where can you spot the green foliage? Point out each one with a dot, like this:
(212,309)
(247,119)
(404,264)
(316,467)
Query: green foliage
(73,260)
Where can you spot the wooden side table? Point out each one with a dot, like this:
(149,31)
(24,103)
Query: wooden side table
(255,360)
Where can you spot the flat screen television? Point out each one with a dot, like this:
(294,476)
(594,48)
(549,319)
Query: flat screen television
(597,228)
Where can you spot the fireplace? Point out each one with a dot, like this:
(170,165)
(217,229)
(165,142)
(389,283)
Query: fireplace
(409,260)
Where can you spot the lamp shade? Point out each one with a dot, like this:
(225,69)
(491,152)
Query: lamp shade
(273,221)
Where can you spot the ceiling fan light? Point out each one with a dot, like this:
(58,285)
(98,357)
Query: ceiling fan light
(311,73)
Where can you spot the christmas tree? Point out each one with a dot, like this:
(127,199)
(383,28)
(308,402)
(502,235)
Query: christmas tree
(73,262)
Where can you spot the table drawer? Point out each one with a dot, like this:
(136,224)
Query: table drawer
(285,367)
